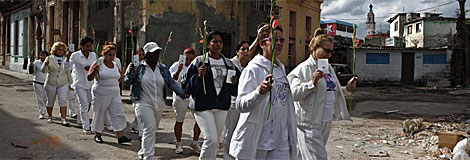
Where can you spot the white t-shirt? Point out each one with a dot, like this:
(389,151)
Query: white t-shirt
(183,72)
(38,75)
(219,72)
(79,73)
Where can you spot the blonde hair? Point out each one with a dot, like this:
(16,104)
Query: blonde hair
(56,45)
(107,48)
(319,38)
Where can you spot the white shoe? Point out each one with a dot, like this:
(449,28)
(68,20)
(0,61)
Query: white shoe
(179,148)
(195,146)
(49,119)
(110,128)
(41,116)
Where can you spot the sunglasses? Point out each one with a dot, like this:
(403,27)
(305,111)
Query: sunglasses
(278,39)
(329,51)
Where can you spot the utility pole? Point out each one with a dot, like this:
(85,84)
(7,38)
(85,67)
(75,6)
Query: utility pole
(462,40)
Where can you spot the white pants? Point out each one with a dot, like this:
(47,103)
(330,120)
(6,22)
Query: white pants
(230,124)
(71,99)
(59,91)
(272,154)
(180,106)
(84,99)
(149,117)
(312,142)
(136,124)
(211,123)
(41,97)
(102,103)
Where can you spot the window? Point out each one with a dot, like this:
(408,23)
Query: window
(308,25)
(350,29)
(418,27)
(377,58)
(396,26)
(263,5)
(341,27)
(434,58)
(410,29)
(292,24)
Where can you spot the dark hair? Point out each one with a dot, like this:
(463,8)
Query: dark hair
(240,44)
(140,49)
(85,40)
(264,33)
(44,52)
(212,34)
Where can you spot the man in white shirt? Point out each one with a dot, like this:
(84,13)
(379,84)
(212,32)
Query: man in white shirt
(178,70)
(81,62)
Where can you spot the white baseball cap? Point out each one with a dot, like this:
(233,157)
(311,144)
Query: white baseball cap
(151,47)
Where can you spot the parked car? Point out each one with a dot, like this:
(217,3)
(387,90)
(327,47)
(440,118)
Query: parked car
(343,73)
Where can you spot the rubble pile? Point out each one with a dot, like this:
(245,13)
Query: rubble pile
(425,135)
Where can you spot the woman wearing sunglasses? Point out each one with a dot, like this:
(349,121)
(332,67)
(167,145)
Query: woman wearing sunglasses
(319,98)
(260,133)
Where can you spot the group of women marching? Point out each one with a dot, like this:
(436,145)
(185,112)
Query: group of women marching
(257,114)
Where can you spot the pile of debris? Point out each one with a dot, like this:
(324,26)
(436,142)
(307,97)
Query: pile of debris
(437,139)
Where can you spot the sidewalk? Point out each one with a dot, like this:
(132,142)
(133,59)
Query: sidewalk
(26,77)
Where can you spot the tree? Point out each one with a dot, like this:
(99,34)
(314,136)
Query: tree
(462,39)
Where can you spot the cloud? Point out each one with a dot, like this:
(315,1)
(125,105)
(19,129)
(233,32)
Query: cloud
(355,11)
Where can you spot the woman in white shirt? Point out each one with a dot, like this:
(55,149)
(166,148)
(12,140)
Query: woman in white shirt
(38,82)
(240,61)
(106,96)
(319,98)
(260,133)
(57,81)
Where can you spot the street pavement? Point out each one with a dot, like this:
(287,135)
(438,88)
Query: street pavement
(24,136)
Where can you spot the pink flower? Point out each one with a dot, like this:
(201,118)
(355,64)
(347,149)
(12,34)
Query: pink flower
(275,24)
(169,40)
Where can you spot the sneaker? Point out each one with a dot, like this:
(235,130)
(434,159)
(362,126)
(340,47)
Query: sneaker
(65,123)
(135,131)
(179,148)
(98,139)
(195,146)
(73,116)
(49,119)
(41,116)
(110,128)
(124,139)
(87,132)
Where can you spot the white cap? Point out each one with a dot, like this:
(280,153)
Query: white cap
(151,47)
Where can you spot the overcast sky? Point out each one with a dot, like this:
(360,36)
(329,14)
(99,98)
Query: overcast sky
(355,11)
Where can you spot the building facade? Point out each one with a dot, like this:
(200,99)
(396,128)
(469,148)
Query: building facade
(429,32)
(405,65)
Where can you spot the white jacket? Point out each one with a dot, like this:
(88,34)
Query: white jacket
(309,100)
(252,107)
(56,75)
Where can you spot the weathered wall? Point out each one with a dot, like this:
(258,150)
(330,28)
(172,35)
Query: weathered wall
(391,71)
(438,33)
(302,10)
(435,74)
(415,39)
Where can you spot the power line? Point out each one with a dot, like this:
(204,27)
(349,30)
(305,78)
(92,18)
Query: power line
(436,6)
